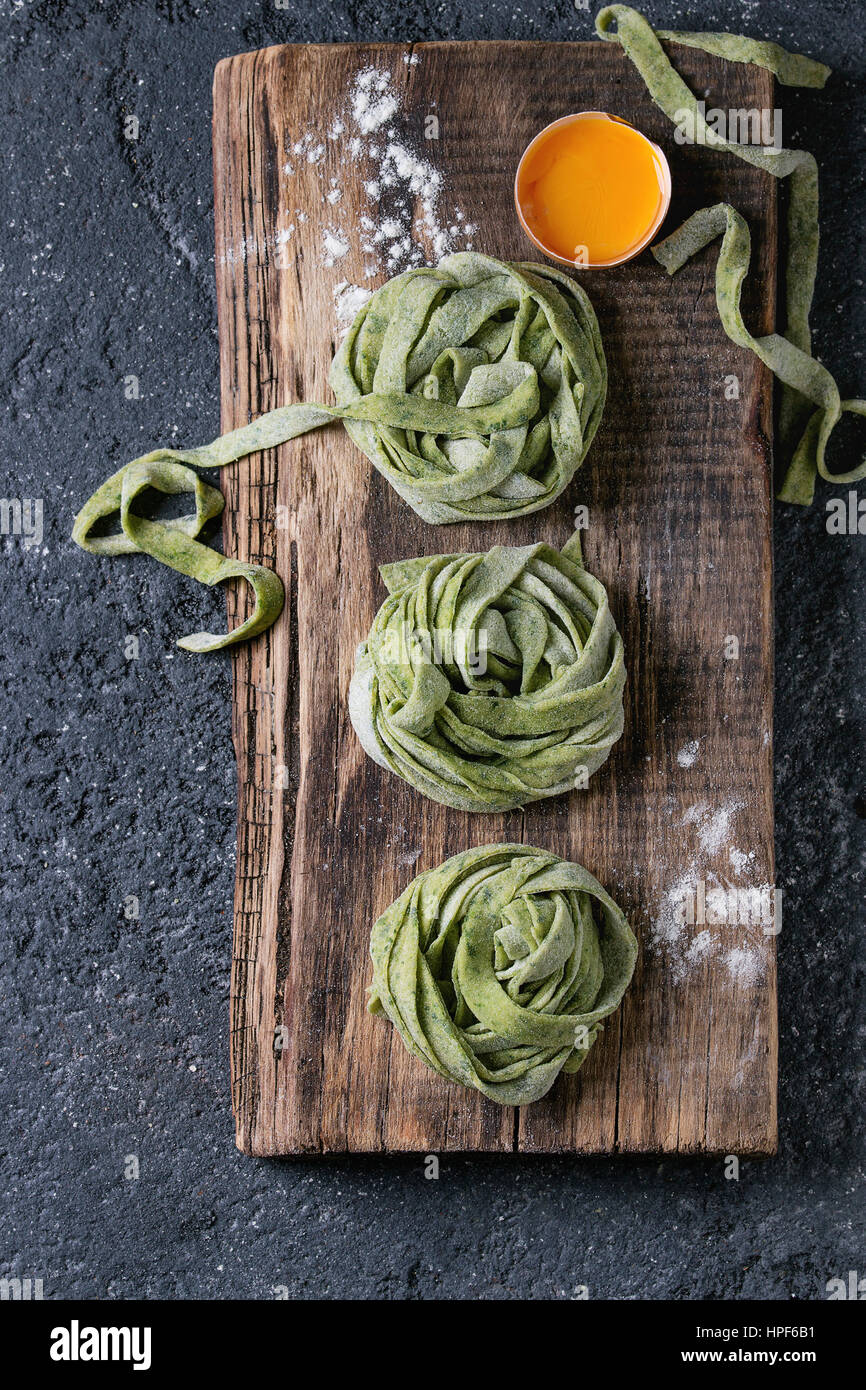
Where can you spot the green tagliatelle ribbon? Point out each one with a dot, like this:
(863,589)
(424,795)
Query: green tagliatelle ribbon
(498,966)
(173,542)
(491,680)
(799,371)
(475,387)
(811,405)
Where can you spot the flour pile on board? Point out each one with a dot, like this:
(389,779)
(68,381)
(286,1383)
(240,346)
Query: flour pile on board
(402,221)
(335,246)
(688,754)
(348,301)
(715,912)
(713,824)
(373,102)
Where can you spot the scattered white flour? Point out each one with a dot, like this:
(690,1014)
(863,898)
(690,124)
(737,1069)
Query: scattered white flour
(688,755)
(402,222)
(703,915)
(335,247)
(714,825)
(239,253)
(744,965)
(699,947)
(312,150)
(741,861)
(348,300)
(373,102)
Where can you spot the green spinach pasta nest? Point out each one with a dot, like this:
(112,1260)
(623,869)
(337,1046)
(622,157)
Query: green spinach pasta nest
(491,680)
(490,379)
(497,968)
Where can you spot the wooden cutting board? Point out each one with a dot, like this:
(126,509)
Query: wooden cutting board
(678,490)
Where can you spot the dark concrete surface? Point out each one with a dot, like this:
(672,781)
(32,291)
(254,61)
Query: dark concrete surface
(119,778)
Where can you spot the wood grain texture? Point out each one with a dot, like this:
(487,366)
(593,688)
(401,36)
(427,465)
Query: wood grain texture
(678,486)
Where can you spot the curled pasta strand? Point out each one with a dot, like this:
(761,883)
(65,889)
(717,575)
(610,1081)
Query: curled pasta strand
(811,406)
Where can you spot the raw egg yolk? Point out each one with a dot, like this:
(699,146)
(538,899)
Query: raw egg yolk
(590,189)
